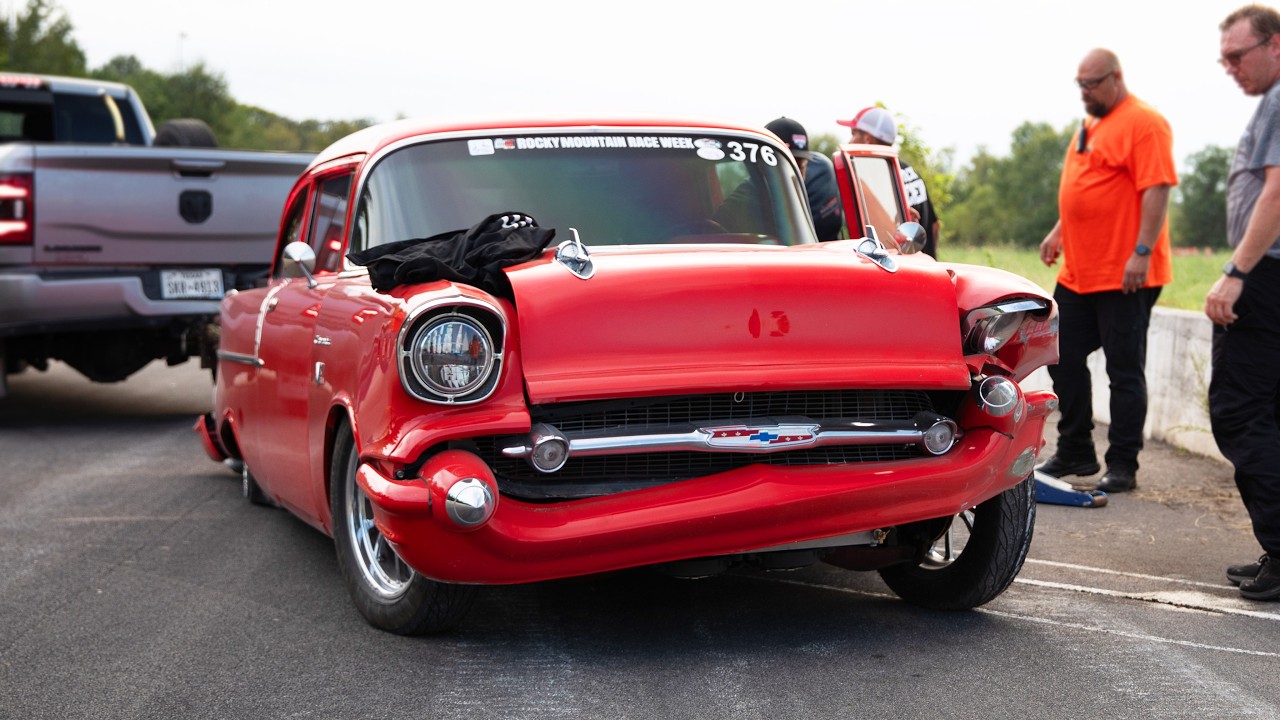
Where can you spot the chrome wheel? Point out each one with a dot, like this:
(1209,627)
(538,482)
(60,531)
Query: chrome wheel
(387,575)
(947,548)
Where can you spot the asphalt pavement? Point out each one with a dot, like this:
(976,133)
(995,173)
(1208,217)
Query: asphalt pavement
(135,582)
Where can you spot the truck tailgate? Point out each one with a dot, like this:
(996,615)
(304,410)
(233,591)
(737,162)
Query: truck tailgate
(119,206)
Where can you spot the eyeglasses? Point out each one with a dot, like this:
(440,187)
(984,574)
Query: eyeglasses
(1091,84)
(1232,59)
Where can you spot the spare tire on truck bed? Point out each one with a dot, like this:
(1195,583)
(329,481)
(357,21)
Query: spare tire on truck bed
(185,132)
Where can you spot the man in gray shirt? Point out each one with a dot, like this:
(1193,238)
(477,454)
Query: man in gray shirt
(1244,304)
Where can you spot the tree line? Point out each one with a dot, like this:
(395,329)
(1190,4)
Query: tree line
(1009,199)
(39,39)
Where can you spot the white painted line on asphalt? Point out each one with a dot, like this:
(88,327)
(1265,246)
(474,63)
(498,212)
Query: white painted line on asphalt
(1046,621)
(1106,571)
(1122,633)
(1192,600)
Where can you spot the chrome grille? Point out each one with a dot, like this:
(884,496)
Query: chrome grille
(590,476)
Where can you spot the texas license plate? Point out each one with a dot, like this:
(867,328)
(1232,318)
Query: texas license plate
(188,284)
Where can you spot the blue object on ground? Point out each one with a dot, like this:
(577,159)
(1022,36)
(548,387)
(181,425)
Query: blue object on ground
(1051,490)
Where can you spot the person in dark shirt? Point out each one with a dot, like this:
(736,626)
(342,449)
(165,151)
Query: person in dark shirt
(819,178)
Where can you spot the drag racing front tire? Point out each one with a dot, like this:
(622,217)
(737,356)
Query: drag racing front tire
(250,489)
(388,593)
(976,559)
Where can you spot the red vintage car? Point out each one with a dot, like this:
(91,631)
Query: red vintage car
(516,351)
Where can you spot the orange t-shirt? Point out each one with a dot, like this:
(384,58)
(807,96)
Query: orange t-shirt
(1100,197)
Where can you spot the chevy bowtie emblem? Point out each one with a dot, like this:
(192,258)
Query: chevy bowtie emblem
(748,437)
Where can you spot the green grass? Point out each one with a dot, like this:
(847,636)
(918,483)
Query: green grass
(1193,275)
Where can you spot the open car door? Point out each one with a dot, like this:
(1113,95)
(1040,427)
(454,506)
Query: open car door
(871,190)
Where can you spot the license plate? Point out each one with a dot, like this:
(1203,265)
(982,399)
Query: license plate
(187,284)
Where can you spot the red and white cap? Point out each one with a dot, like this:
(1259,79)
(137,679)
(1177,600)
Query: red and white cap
(876,122)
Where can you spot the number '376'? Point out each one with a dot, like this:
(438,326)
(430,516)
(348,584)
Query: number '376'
(748,151)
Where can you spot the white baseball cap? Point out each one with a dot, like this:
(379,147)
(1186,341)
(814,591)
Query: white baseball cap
(876,122)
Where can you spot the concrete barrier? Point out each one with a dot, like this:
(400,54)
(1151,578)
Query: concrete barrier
(1179,343)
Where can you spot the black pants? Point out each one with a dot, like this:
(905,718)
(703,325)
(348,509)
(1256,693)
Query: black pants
(1117,323)
(1243,399)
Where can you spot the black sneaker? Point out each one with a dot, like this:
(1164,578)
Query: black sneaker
(1239,573)
(1117,481)
(1266,586)
(1058,467)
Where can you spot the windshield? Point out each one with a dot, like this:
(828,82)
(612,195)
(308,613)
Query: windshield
(623,188)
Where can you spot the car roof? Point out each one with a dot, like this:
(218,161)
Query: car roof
(374,138)
(61,84)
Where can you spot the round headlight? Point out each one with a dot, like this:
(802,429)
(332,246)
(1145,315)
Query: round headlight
(995,331)
(452,355)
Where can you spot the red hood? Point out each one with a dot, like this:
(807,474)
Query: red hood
(670,320)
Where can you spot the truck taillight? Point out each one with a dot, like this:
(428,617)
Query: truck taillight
(16,209)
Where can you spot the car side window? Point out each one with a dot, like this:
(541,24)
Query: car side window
(329,221)
(292,228)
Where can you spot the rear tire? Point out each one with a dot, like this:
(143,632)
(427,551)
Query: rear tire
(961,573)
(388,593)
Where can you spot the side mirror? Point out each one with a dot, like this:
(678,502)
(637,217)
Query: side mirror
(298,260)
(915,237)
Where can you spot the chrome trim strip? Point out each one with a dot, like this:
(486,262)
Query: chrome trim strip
(766,437)
(972,317)
(240,358)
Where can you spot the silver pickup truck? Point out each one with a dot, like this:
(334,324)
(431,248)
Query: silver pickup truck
(117,242)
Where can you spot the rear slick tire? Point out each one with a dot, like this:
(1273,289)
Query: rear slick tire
(388,593)
(963,573)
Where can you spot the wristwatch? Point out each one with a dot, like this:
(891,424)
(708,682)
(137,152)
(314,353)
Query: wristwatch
(1230,270)
(1141,250)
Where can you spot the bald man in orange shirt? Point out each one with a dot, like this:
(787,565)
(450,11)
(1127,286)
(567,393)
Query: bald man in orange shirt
(1113,238)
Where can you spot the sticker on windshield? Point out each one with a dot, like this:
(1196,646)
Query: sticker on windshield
(706,148)
(709,149)
(581,142)
(751,151)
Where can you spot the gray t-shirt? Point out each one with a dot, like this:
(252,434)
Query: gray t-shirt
(1259,148)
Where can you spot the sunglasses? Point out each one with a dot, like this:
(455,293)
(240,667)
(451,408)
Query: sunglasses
(1091,84)
(1082,141)
(1233,59)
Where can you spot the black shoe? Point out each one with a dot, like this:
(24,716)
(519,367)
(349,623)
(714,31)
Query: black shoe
(1266,586)
(1117,481)
(1057,467)
(1239,573)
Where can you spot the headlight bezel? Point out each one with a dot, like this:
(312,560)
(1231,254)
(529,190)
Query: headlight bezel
(489,329)
(989,328)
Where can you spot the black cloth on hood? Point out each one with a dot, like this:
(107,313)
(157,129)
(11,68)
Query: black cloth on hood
(475,257)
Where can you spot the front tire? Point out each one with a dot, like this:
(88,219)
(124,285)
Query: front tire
(976,558)
(388,593)
(250,489)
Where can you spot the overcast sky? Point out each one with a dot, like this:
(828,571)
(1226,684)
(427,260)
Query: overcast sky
(963,74)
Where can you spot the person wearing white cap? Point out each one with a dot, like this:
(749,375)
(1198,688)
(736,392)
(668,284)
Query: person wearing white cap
(874,125)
